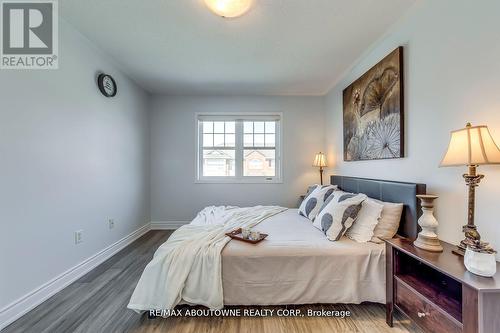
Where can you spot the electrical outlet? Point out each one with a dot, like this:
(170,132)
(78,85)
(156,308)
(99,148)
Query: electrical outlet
(78,236)
(111,223)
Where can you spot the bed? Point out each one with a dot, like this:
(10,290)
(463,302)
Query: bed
(297,264)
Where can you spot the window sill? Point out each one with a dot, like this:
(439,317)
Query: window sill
(238,181)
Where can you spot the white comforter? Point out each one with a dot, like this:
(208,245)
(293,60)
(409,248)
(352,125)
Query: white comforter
(187,267)
(297,264)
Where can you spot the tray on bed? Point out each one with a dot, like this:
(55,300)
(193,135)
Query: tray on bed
(236,234)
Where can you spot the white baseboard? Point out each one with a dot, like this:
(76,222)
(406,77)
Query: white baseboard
(167,225)
(29,301)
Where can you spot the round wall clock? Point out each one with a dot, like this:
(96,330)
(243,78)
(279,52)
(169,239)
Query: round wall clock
(107,85)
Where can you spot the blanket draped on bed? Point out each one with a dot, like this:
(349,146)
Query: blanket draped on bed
(187,267)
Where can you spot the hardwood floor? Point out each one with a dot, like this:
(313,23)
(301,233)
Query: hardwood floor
(97,303)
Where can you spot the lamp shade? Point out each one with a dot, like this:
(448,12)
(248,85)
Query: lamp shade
(472,145)
(319,160)
(229,8)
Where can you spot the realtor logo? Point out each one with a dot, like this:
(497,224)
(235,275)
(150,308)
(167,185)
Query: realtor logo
(29,34)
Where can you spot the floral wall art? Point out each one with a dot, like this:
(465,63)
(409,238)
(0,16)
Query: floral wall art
(373,112)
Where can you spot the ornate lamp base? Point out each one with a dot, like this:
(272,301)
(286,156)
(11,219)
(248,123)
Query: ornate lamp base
(471,236)
(472,241)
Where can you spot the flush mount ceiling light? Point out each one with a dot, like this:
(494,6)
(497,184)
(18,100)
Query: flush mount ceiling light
(229,8)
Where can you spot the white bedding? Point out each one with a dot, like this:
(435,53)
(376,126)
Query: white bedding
(297,264)
(187,267)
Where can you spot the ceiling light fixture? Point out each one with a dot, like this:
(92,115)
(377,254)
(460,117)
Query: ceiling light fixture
(229,8)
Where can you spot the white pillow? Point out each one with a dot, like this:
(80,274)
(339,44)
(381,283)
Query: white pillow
(338,216)
(314,200)
(368,217)
(388,223)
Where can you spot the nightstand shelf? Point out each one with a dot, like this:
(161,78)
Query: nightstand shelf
(437,292)
(440,290)
(448,303)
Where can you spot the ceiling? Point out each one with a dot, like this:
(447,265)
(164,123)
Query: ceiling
(280,47)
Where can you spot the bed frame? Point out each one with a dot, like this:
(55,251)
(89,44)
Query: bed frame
(389,191)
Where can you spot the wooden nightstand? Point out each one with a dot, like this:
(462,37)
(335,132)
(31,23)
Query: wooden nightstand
(437,292)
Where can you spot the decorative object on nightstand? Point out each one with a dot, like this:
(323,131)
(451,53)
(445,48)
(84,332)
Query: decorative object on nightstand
(480,261)
(471,146)
(320,161)
(437,292)
(427,239)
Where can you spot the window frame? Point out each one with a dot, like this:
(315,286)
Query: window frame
(239,117)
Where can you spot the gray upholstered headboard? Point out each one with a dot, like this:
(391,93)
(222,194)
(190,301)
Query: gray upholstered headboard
(389,191)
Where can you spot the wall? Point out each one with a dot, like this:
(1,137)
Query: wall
(451,77)
(176,196)
(69,159)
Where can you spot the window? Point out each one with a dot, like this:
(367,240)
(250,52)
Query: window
(239,148)
(219,147)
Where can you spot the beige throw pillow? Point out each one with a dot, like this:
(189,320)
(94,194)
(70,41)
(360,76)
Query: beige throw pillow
(368,218)
(388,224)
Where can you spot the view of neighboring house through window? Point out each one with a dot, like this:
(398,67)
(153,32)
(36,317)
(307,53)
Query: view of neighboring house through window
(219,147)
(239,148)
(260,148)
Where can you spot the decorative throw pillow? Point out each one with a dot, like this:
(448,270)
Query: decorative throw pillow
(311,188)
(314,200)
(368,217)
(388,223)
(338,216)
(336,196)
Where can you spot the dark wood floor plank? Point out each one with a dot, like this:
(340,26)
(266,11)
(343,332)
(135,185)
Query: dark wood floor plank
(57,307)
(97,303)
(114,296)
(145,240)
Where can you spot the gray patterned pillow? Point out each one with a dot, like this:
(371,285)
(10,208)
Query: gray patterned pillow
(338,216)
(314,200)
(337,196)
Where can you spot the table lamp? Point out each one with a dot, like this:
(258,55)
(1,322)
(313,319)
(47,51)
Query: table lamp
(471,146)
(320,161)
